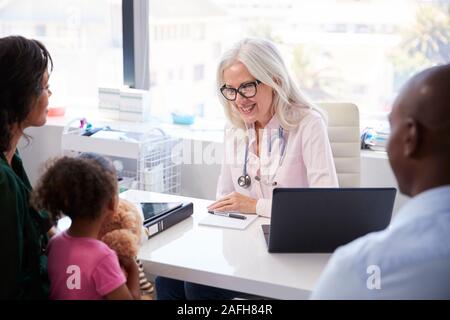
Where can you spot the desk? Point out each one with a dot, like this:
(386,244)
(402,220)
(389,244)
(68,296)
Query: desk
(231,259)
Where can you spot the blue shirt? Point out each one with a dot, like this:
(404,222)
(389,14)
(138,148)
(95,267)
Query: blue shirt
(408,260)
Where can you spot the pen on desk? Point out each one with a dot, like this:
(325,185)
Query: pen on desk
(230,215)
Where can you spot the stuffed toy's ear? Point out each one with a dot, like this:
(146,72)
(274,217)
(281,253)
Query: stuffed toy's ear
(123,242)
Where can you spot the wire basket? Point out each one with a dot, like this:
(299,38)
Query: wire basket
(157,171)
(143,160)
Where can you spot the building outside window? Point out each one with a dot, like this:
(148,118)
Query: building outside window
(359,51)
(337,50)
(84,38)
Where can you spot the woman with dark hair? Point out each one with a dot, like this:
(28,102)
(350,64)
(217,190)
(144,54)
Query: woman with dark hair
(24,93)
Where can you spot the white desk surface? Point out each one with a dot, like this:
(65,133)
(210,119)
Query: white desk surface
(232,259)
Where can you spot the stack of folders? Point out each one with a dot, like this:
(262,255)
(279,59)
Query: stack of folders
(374,139)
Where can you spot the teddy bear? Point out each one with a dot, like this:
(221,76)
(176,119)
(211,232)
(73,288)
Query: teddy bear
(122,232)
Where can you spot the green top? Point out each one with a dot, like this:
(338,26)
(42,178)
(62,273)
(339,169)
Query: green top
(23,236)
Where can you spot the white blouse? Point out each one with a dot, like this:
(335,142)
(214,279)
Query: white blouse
(296,158)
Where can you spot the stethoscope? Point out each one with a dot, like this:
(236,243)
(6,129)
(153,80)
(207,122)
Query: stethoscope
(244,181)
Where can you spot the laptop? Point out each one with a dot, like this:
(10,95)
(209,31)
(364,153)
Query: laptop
(318,220)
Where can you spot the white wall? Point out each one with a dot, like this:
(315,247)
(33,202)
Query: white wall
(197,180)
(45,143)
(376,172)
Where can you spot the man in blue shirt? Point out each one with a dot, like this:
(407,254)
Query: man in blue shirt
(411,258)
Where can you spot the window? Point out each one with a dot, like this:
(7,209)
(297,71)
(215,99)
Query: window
(199,72)
(153,79)
(337,50)
(84,38)
(41,30)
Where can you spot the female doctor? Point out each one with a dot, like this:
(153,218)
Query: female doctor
(275,139)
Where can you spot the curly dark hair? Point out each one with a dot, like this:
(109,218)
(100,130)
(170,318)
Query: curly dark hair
(23,63)
(76,187)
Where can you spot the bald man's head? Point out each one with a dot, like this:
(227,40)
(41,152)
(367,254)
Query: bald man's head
(420,131)
(426,98)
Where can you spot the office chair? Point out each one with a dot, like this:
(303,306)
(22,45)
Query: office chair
(344,135)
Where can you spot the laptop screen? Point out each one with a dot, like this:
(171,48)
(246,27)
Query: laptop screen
(318,220)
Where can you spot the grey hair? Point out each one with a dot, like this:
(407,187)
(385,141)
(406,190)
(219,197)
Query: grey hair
(263,60)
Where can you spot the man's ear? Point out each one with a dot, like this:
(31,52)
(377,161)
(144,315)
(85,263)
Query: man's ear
(412,138)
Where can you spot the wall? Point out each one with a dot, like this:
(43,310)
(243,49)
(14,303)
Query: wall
(45,143)
(376,172)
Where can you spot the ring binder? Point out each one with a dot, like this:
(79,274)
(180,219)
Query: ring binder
(160,223)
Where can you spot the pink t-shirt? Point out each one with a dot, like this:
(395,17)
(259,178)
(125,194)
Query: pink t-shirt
(82,268)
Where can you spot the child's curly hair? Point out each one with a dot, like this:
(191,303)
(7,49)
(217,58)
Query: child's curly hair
(76,187)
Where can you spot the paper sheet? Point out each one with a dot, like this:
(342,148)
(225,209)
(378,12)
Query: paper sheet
(227,222)
(114,135)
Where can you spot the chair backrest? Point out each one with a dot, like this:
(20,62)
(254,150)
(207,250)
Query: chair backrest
(344,135)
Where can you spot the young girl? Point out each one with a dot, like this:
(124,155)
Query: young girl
(79,265)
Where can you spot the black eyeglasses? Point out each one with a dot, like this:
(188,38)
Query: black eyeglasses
(247,90)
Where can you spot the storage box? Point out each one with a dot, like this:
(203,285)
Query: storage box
(109,102)
(134,105)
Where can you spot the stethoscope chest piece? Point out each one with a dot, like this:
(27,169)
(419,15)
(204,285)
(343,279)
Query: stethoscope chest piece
(244,181)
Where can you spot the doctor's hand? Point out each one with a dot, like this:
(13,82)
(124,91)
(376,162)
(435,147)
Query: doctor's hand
(234,202)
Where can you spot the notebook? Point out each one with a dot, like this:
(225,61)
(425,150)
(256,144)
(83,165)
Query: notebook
(227,222)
